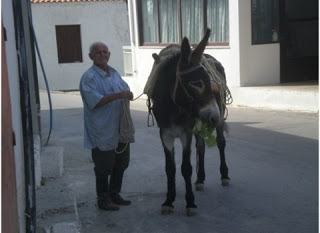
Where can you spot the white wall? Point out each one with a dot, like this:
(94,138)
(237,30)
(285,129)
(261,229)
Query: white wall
(99,21)
(245,64)
(259,64)
(229,57)
(143,61)
(13,74)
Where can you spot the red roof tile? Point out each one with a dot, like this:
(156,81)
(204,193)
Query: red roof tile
(59,1)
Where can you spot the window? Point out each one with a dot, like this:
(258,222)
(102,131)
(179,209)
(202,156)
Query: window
(127,60)
(68,43)
(167,21)
(265,21)
(192,19)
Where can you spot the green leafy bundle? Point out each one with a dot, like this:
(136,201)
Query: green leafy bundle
(203,129)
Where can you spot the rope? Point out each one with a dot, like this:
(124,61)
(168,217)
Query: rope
(137,97)
(216,77)
(126,126)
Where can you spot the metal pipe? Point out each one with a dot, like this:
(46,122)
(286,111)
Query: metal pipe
(30,210)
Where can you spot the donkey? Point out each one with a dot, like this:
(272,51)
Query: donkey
(182,92)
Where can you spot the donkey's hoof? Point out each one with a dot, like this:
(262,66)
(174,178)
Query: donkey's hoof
(199,186)
(191,211)
(165,210)
(225,182)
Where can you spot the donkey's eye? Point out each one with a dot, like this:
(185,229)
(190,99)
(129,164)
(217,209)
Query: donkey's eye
(197,83)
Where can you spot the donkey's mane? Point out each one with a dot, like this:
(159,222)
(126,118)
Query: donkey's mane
(166,78)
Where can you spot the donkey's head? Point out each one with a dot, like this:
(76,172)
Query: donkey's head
(193,89)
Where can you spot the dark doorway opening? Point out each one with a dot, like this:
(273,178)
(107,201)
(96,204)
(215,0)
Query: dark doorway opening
(299,41)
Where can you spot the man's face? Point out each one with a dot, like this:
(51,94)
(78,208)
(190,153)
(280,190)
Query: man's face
(100,55)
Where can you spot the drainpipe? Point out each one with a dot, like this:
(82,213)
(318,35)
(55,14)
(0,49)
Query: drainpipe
(35,76)
(19,7)
(133,40)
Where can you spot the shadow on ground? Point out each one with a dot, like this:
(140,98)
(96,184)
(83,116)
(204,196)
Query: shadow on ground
(274,181)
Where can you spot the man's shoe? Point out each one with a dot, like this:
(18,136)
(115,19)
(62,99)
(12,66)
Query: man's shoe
(105,203)
(117,199)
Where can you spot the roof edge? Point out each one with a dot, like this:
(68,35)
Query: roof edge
(72,1)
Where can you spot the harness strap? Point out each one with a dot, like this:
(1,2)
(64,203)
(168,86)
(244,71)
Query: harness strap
(178,80)
(150,114)
(189,70)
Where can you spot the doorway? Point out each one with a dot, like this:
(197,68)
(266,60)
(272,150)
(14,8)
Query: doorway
(299,41)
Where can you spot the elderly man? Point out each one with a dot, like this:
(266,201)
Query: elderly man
(102,91)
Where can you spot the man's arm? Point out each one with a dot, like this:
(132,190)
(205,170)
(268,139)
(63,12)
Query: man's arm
(120,95)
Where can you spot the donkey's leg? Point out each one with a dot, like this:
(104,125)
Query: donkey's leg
(200,146)
(186,170)
(221,141)
(168,145)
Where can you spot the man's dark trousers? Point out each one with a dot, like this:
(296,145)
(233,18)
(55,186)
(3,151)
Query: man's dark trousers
(109,163)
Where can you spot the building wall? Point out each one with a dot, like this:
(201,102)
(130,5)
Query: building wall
(229,56)
(9,203)
(245,64)
(259,64)
(143,61)
(12,63)
(100,21)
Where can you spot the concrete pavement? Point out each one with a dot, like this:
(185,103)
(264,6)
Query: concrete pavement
(273,164)
(300,96)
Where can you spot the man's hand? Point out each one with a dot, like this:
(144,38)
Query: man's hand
(120,95)
(126,95)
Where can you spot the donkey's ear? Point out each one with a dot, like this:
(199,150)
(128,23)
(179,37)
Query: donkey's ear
(185,50)
(156,58)
(198,51)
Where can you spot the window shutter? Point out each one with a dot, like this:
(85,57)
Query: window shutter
(69,43)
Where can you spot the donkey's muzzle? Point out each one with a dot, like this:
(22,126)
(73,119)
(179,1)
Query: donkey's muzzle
(210,114)
(214,119)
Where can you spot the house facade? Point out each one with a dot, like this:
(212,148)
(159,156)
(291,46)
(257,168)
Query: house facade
(66,29)
(20,119)
(259,42)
